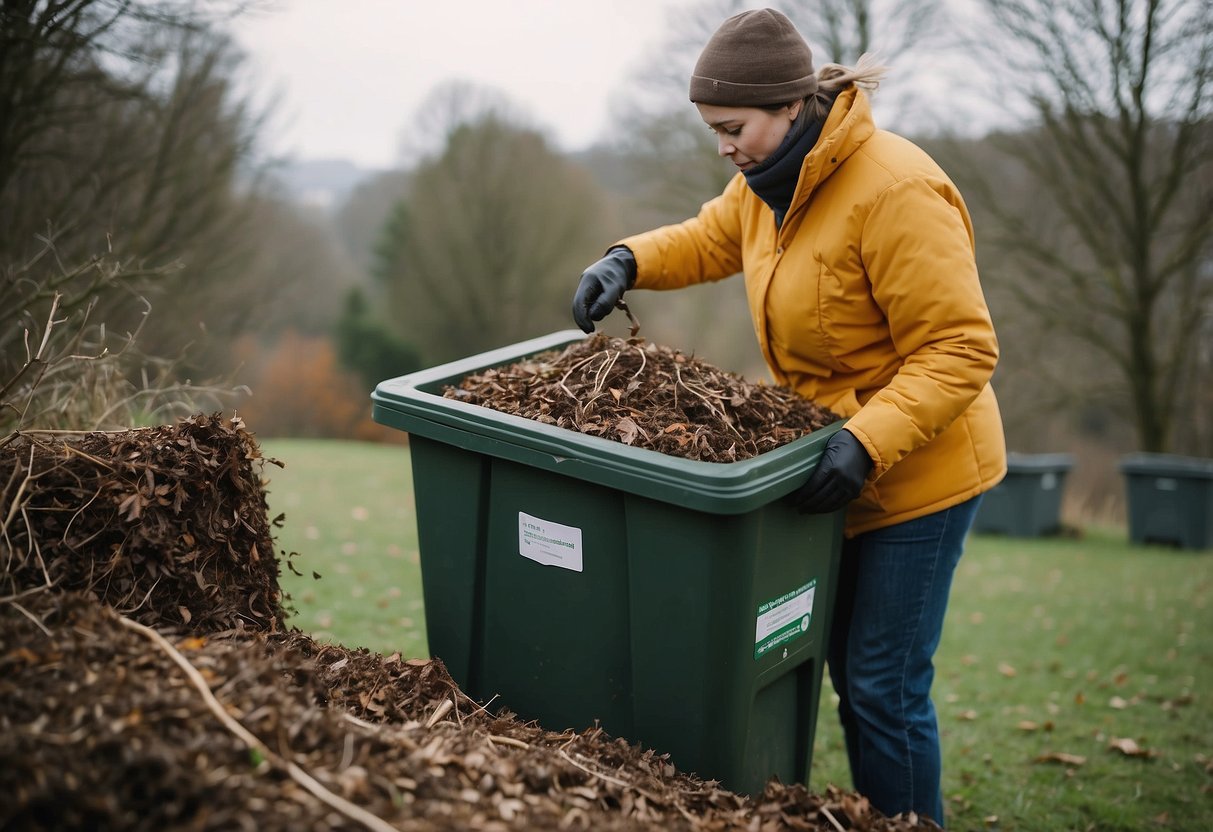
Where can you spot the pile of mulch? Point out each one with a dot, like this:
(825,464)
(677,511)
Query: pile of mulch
(225,719)
(168,524)
(649,396)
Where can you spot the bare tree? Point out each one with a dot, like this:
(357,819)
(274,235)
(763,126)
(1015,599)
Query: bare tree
(1118,252)
(123,135)
(62,60)
(448,107)
(487,246)
(842,30)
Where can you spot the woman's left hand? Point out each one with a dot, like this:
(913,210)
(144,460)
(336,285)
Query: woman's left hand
(838,478)
(602,286)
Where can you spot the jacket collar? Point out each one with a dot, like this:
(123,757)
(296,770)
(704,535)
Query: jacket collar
(846,128)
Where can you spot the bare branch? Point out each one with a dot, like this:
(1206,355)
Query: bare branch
(1126,174)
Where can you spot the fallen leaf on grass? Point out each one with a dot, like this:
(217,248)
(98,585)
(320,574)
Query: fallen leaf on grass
(1118,703)
(967,716)
(1130,748)
(1178,702)
(1062,758)
(1006,670)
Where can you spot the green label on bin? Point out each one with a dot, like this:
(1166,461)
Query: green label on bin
(783,619)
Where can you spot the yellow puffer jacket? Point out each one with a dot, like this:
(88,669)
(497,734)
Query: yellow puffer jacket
(867,301)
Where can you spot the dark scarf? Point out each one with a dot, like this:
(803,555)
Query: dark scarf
(774,181)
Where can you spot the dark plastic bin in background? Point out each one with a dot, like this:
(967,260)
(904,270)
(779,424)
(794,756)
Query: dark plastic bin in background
(1170,499)
(681,604)
(1027,503)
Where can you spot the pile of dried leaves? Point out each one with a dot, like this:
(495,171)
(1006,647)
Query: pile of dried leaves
(111,719)
(649,396)
(167,524)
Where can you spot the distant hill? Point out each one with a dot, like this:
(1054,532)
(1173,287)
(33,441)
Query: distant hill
(320,183)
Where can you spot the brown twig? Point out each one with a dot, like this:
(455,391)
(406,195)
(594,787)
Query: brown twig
(31,617)
(572,370)
(635,328)
(621,783)
(15,506)
(439,713)
(833,820)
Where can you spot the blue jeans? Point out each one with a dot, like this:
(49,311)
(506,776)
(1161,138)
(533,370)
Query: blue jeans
(892,595)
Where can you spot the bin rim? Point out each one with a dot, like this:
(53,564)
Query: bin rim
(1167,465)
(1018,462)
(414,403)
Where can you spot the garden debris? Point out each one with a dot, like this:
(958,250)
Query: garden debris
(166,524)
(1061,757)
(1130,748)
(649,396)
(112,719)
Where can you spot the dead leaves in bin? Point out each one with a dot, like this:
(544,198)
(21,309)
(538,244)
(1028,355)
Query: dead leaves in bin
(148,680)
(642,394)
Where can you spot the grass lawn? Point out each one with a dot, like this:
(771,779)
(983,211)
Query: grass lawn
(349,516)
(1059,655)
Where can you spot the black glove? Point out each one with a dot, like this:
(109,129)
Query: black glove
(602,285)
(838,478)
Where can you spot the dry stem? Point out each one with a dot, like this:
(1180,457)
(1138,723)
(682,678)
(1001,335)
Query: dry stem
(439,713)
(833,820)
(621,783)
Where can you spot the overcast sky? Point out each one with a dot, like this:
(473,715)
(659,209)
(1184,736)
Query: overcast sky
(346,75)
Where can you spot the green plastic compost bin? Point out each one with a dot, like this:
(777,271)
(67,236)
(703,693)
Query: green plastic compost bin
(572,579)
(1027,503)
(1170,499)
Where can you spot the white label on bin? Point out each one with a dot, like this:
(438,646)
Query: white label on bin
(549,543)
(783,619)
(1166,484)
(1048,481)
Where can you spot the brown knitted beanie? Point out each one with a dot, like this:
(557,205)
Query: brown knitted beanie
(755,59)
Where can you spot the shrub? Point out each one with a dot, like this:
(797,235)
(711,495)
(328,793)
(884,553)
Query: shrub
(298,389)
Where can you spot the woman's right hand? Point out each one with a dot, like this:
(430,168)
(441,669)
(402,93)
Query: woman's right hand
(602,286)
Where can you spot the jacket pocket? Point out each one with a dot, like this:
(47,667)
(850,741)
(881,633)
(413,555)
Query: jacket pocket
(853,330)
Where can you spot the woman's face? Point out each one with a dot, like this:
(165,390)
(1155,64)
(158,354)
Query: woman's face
(748,135)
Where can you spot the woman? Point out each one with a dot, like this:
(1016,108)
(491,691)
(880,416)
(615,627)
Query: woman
(860,273)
